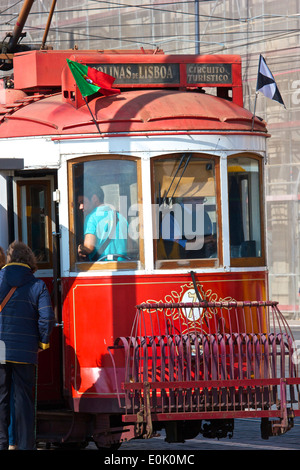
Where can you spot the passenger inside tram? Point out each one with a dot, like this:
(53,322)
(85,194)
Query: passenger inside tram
(105,230)
(105,192)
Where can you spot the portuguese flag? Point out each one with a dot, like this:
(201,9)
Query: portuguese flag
(90,80)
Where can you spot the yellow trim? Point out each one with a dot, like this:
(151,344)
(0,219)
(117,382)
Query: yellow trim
(44,345)
(17,264)
(16,362)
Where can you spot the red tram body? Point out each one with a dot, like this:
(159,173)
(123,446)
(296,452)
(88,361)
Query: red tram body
(181,330)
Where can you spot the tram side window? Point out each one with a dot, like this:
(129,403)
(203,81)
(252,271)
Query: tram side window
(106,215)
(34,221)
(244,207)
(185,208)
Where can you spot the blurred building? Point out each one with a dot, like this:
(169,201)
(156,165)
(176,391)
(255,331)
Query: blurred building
(244,27)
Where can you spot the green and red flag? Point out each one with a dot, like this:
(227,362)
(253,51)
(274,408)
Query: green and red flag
(89,80)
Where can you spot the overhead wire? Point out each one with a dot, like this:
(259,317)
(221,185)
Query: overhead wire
(230,43)
(254,32)
(10,6)
(253,36)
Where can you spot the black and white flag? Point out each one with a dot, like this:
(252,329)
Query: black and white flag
(266,83)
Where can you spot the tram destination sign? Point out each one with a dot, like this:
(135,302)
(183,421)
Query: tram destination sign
(167,73)
(129,74)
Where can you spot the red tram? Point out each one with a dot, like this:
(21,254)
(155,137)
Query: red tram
(177,331)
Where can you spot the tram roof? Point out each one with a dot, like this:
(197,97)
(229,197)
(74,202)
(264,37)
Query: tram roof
(136,111)
(159,93)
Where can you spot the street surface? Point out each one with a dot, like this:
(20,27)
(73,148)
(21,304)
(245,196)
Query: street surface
(246,436)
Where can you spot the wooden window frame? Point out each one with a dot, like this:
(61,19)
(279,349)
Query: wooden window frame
(200,262)
(253,261)
(29,183)
(83,266)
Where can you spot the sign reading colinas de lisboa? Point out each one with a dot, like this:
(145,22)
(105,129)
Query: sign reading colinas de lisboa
(141,73)
(167,73)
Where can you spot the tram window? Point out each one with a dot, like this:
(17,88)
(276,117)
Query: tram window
(106,216)
(186,220)
(244,208)
(34,221)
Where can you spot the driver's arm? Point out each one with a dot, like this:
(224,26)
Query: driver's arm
(87,246)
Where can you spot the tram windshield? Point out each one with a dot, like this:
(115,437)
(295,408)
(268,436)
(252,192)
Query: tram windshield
(105,219)
(244,207)
(186,223)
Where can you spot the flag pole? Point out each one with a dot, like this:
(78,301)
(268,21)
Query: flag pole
(90,81)
(256,93)
(253,117)
(93,117)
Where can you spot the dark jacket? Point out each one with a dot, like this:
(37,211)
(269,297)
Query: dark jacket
(27,319)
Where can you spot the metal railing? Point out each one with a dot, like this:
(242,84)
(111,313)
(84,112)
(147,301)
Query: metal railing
(210,360)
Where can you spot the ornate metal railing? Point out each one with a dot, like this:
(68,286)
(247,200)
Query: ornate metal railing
(210,360)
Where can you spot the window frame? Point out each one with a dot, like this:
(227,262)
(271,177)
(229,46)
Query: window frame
(251,261)
(193,262)
(82,266)
(27,183)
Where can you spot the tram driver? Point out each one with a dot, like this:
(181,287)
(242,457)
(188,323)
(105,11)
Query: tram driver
(105,230)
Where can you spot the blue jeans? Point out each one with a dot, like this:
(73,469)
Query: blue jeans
(23,378)
(12,426)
